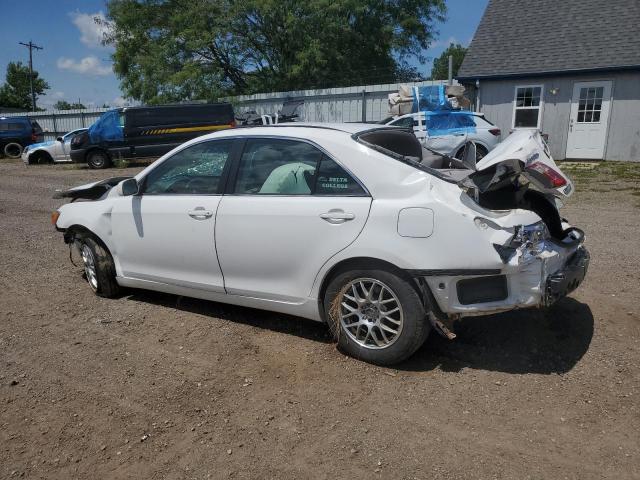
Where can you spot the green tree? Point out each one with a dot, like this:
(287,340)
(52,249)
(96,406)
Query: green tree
(64,105)
(174,50)
(440,70)
(16,91)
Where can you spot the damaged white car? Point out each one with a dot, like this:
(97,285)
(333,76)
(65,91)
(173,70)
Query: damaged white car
(355,226)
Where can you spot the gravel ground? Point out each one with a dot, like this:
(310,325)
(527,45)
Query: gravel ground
(155,386)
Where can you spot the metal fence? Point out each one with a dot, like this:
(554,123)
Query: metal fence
(367,103)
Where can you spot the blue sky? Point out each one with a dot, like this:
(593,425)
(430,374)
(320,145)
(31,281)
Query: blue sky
(78,67)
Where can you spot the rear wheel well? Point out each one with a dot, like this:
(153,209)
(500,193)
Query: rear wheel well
(97,150)
(371,263)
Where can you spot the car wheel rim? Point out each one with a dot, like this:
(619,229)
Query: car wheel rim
(97,160)
(370,313)
(89,267)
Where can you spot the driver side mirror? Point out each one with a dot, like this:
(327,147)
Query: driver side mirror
(59,139)
(128,187)
(469,155)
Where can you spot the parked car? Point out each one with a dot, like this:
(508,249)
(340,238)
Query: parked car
(16,133)
(448,131)
(52,151)
(349,224)
(147,131)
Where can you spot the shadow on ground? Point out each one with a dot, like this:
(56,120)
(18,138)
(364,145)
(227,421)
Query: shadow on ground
(277,322)
(523,341)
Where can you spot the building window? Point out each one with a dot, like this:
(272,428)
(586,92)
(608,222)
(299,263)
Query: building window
(590,104)
(527,106)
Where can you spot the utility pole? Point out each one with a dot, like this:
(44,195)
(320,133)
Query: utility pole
(31,46)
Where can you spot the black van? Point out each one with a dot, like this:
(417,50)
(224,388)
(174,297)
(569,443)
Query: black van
(134,132)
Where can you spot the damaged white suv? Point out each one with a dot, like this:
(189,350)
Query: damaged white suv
(355,226)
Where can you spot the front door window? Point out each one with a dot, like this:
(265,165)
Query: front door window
(196,170)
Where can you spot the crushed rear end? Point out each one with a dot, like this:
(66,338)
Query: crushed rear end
(538,262)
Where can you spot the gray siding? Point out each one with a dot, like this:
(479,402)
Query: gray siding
(623,138)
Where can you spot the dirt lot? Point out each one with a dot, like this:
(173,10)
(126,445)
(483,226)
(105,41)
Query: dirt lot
(154,386)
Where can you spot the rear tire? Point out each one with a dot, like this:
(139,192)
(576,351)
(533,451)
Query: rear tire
(13,150)
(98,159)
(99,268)
(376,315)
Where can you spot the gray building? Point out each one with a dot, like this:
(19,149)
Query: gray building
(570,68)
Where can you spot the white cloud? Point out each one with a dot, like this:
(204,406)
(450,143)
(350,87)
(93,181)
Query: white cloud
(91,33)
(87,66)
(446,43)
(58,95)
(119,102)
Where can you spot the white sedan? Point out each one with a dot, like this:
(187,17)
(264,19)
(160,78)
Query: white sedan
(448,131)
(52,151)
(348,224)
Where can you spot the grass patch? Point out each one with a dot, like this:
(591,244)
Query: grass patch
(121,163)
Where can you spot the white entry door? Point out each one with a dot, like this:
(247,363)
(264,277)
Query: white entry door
(589,118)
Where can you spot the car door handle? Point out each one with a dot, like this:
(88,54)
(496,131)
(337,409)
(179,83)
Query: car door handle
(200,213)
(337,216)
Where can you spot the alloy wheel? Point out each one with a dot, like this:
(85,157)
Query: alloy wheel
(90,267)
(370,313)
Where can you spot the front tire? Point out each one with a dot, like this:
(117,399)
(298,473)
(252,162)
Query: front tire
(376,315)
(99,269)
(98,159)
(40,158)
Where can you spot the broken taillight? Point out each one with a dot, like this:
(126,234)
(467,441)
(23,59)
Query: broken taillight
(495,131)
(549,173)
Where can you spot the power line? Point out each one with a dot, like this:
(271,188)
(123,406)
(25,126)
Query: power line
(31,46)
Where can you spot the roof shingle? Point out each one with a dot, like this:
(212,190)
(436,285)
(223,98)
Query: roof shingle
(517,37)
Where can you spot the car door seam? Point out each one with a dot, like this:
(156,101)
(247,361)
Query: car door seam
(215,243)
(315,280)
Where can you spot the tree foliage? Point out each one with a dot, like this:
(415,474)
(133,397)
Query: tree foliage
(16,91)
(175,50)
(440,70)
(64,105)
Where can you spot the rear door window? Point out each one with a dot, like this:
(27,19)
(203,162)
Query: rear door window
(291,167)
(405,122)
(482,122)
(465,121)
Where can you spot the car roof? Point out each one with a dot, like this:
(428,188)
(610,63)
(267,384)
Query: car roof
(15,118)
(350,128)
(295,129)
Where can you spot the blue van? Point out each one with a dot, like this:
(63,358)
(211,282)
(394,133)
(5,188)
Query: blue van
(16,133)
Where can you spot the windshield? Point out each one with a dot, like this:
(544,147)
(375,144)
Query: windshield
(107,127)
